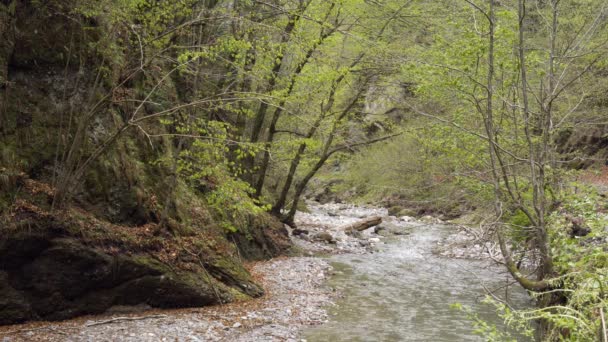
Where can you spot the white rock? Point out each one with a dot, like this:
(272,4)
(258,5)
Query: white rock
(406,218)
(428,219)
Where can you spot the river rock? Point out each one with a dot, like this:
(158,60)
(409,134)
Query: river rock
(407,219)
(325,237)
(297,232)
(388,229)
(430,219)
(305,237)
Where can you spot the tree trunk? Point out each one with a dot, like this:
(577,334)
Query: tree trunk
(277,114)
(289,218)
(260,116)
(295,162)
(363,224)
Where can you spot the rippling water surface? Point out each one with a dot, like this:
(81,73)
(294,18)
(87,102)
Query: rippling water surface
(404,292)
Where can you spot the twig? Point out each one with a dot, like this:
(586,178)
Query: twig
(121,319)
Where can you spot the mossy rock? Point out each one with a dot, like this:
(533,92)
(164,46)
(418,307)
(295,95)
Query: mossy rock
(49,277)
(233,274)
(387,229)
(263,238)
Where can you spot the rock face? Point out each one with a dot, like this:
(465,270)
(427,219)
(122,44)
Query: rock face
(42,277)
(55,271)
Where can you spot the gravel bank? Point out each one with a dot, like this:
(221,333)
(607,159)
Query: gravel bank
(294,298)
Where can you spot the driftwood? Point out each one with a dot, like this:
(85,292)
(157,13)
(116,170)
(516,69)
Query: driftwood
(363,224)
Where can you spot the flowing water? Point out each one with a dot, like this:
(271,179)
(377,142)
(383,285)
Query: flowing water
(404,292)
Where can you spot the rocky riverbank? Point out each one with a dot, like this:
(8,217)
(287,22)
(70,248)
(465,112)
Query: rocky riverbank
(295,296)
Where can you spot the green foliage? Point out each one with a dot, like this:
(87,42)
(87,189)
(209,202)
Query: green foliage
(424,168)
(584,265)
(516,326)
(520,225)
(206,168)
(581,289)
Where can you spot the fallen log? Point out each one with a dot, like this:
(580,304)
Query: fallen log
(362,225)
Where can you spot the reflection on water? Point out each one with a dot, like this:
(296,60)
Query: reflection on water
(404,292)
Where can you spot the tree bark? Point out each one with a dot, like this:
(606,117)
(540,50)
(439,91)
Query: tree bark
(295,162)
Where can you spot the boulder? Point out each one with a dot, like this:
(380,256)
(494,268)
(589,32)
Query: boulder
(579,227)
(54,278)
(13,306)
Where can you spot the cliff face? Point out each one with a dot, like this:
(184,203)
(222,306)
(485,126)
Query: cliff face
(131,231)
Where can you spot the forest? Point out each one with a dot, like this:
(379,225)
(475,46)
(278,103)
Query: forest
(174,154)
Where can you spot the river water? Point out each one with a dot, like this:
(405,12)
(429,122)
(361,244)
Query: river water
(404,292)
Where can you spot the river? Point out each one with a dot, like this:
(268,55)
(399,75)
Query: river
(404,292)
